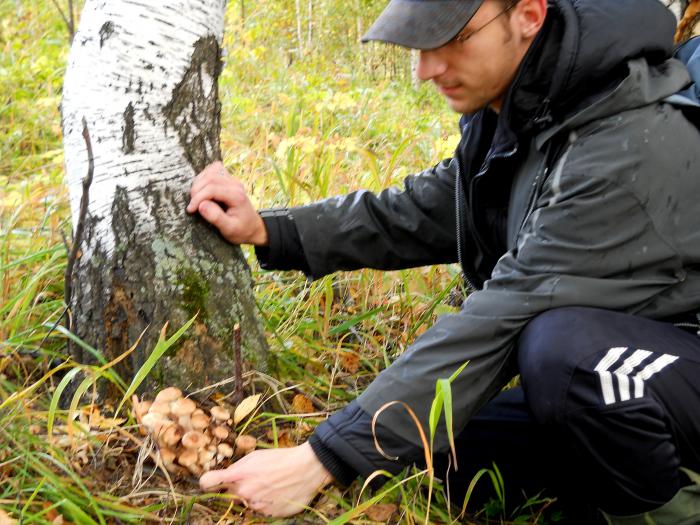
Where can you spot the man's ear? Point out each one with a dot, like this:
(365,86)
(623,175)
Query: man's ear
(530,15)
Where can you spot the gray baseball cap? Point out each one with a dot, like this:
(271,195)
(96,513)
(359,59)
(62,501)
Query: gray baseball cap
(422,24)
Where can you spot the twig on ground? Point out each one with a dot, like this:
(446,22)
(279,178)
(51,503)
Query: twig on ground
(238,396)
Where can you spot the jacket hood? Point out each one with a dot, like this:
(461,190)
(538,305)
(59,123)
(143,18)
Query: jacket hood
(582,51)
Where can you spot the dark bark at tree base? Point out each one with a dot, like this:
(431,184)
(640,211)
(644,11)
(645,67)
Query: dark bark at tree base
(168,277)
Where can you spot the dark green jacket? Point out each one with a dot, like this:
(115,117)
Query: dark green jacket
(584,191)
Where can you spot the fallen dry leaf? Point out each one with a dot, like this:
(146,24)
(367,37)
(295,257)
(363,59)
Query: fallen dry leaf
(245,407)
(302,404)
(284,440)
(350,362)
(5,518)
(381,512)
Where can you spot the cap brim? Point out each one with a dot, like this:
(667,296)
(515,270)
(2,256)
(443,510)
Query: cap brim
(421,24)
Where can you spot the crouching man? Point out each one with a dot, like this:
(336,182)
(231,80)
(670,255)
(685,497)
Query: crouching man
(572,206)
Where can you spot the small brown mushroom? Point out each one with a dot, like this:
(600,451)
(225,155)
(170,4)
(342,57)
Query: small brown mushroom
(219,432)
(155,422)
(194,440)
(140,409)
(185,422)
(183,407)
(187,457)
(245,444)
(168,394)
(160,407)
(198,411)
(223,451)
(206,456)
(219,413)
(167,456)
(171,435)
(196,469)
(200,422)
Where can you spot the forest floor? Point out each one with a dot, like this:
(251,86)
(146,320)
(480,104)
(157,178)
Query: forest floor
(307,113)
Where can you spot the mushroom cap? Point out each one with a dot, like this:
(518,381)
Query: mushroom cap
(154,422)
(187,457)
(200,421)
(185,422)
(172,434)
(224,450)
(194,440)
(198,411)
(167,455)
(219,413)
(183,406)
(140,409)
(205,456)
(220,432)
(245,443)
(168,394)
(160,407)
(196,469)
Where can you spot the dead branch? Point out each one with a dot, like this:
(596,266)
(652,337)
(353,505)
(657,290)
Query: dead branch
(238,396)
(68,19)
(80,227)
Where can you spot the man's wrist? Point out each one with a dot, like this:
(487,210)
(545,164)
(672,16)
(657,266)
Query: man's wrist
(261,237)
(336,467)
(318,473)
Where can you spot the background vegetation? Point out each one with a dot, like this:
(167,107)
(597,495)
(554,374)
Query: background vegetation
(307,113)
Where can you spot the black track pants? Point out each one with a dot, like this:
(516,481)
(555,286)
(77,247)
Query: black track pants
(608,413)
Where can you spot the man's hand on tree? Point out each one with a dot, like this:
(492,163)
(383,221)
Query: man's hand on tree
(275,482)
(222,201)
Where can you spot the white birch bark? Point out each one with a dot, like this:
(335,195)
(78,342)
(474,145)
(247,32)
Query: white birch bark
(144,76)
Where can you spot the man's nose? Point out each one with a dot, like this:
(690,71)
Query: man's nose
(430,65)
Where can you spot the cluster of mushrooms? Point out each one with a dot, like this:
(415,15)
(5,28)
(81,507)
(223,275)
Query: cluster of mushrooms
(188,437)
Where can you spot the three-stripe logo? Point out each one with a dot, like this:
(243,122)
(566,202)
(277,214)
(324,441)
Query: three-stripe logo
(623,373)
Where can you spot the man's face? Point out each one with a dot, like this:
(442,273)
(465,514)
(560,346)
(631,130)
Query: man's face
(475,69)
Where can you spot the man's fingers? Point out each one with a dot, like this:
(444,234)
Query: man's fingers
(213,214)
(228,194)
(220,479)
(213,173)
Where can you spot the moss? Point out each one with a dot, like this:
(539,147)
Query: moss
(195,292)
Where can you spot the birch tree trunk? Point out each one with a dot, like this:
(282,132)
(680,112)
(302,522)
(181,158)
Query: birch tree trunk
(144,77)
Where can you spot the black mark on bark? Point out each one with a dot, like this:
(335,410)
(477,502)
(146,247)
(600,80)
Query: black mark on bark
(129,133)
(194,109)
(106,31)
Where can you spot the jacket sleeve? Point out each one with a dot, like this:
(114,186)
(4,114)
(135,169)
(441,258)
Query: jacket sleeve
(589,241)
(390,230)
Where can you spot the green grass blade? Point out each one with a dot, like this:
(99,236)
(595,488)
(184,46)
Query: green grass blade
(53,406)
(76,513)
(162,346)
(470,489)
(435,411)
(446,391)
(343,327)
(74,338)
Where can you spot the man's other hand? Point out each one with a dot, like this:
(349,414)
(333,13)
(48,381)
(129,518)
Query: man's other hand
(274,482)
(223,202)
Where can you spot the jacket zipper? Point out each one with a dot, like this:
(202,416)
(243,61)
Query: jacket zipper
(458,213)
